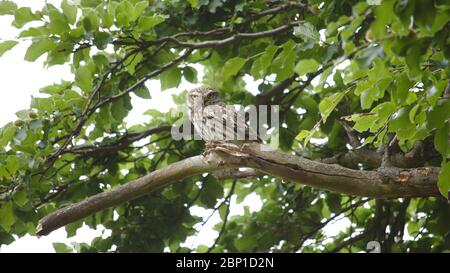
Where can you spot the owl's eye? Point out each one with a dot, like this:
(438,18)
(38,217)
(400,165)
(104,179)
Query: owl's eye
(194,95)
(210,95)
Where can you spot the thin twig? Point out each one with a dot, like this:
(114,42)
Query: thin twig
(225,220)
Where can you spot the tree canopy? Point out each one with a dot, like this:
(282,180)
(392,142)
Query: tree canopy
(364,95)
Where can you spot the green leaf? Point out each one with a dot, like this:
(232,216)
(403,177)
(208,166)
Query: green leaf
(193,3)
(34,31)
(382,112)
(413,112)
(170,78)
(90,3)
(124,13)
(139,9)
(37,48)
(145,23)
(6,45)
(201,248)
(365,60)
(308,103)
(133,61)
(83,78)
(306,66)
(363,123)
(102,39)
(24,15)
(368,96)
(401,124)
(143,92)
(70,11)
(190,74)
(328,104)
(7,7)
(223,211)
(12,164)
(6,134)
(351,28)
(444,179)
(7,217)
(306,31)
(439,114)
(62,248)
(58,26)
(72,228)
(368,92)
(118,110)
(441,140)
(413,59)
(401,92)
(59,55)
(434,92)
(101,60)
(245,243)
(214,4)
(305,135)
(20,198)
(260,65)
(424,13)
(212,190)
(91,21)
(384,14)
(284,63)
(232,67)
(300,136)
(56,88)
(109,14)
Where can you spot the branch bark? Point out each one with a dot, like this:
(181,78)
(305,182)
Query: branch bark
(383,183)
(423,153)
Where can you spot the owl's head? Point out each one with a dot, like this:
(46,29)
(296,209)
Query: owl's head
(202,97)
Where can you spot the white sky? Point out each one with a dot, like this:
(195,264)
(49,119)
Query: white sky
(19,80)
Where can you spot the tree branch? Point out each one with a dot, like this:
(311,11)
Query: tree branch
(121,143)
(422,153)
(383,183)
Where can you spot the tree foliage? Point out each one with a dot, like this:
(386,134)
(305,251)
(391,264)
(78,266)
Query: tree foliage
(368,78)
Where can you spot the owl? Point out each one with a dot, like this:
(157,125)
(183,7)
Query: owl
(216,122)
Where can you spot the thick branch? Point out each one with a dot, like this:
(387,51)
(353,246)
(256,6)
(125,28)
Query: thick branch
(382,183)
(144,185)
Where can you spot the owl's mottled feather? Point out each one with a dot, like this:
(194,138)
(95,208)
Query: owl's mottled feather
(213,120)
